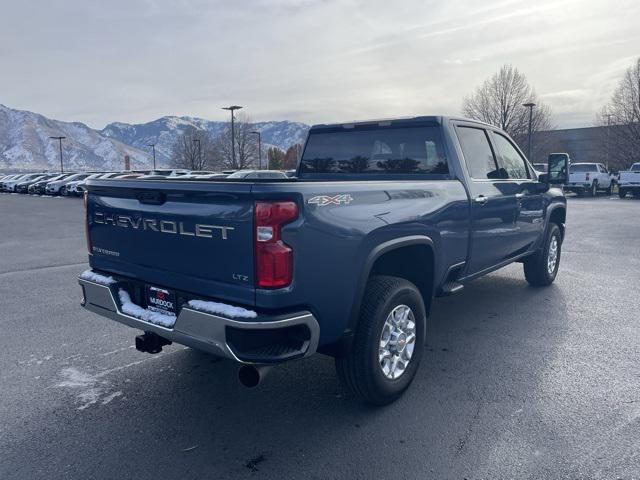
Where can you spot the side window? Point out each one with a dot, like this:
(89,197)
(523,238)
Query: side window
(477,153)
(511,163)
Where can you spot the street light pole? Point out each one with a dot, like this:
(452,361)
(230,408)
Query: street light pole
(153,148)
(60,141)
(259,149)
(608,115)
(197,140)
(530,106)
(232,108)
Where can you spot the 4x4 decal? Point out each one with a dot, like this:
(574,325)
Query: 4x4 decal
(324,200)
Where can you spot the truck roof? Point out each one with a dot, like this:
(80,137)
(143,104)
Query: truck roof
(404,120)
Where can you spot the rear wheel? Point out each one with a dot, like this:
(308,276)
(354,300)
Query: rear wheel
(388,343)
(593,191)
(541,269)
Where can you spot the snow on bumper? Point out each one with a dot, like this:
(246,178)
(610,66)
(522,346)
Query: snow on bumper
(217,328)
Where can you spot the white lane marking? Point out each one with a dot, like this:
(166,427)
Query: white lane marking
(108,398)
(116,351)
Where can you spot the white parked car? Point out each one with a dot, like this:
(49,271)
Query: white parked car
(540,167)
(59,187)
(7,178)
(72,187)
(629,181)
(588,179)
(10,185)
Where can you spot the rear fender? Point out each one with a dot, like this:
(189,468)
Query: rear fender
(375,254)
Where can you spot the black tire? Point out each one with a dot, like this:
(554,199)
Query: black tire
(360,371)
(622,192)
(63,191)
(536,269)
(593,190)
(610,189)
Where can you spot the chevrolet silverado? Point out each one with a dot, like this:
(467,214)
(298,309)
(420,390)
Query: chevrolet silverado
(344,259)
(629,181)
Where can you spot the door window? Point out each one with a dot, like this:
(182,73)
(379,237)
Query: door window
(510,162)
(477,152)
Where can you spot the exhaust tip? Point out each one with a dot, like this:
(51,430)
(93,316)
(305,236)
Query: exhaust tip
(251,376)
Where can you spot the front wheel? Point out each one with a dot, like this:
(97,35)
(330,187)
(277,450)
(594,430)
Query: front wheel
(541,269)
(622,192)
(388,343)
(63,191)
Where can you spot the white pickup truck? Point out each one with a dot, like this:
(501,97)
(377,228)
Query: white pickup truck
(630,181)
(588,179)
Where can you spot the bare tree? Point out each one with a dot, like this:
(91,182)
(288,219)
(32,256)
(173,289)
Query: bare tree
(621,117)
(246,146)
(498,101)
(192,150)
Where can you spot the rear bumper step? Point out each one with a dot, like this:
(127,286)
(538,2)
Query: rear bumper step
(263,340)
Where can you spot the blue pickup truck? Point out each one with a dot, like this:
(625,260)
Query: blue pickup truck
(343,259)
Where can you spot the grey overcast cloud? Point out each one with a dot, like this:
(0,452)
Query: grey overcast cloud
(306,60)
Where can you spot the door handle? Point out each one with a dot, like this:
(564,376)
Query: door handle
(481,199)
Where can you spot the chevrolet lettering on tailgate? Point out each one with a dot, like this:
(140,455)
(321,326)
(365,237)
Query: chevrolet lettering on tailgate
(162,226)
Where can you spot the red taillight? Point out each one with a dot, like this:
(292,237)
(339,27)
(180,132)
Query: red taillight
(86,221)
(273,258)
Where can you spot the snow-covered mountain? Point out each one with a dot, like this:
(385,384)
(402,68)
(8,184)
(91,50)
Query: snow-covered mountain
(25,144)
(164,131)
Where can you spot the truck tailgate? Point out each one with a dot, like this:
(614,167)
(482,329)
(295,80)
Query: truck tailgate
(630,177)
(189,236)
(579,177)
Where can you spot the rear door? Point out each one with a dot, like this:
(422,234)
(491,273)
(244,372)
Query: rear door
(190,236)
(493,202)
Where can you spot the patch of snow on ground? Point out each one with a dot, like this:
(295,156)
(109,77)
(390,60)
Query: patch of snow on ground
(157,318)
(222,309)
(97,278)
(89,387)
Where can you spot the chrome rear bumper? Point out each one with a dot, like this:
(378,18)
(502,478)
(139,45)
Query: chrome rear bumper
(206,331)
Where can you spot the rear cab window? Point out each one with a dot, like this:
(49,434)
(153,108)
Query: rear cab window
(375,150)
(583,168)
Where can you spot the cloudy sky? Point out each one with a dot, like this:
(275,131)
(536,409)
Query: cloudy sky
(306,60)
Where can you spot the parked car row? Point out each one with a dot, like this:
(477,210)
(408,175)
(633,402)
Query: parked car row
(73,183)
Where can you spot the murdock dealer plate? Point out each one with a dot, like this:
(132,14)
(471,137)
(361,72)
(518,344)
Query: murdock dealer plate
(161,300)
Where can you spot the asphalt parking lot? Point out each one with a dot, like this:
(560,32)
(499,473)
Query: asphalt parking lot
(517,382)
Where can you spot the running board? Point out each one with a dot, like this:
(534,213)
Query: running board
(451,288)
